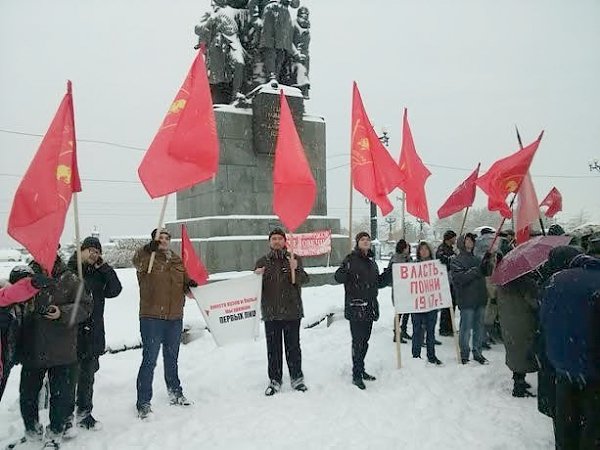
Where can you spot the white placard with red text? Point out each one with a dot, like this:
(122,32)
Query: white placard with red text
(420,287)
(310,244)
(231,308)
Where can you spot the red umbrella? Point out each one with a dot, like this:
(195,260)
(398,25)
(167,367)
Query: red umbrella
(526,257)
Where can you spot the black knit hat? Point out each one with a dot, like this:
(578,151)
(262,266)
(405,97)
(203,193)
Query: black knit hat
(18,273)
(278,231)
(361,235)
(91,242)
(449,235)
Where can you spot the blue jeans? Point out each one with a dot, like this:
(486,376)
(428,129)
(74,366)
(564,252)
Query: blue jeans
(424,323)
(471,320)
(154,333)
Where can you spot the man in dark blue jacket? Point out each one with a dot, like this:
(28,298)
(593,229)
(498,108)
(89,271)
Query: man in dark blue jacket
(570,316)
(102,282)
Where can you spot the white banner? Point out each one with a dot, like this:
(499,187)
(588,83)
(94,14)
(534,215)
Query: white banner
(231,308)
(421,287)
(310,244)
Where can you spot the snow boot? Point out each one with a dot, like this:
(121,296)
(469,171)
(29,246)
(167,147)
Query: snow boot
(88,422)
(273,388)
(32,438)
(368,377)
(144,411)
(359,383)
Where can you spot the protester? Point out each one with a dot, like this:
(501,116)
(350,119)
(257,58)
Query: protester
(162,297)
(558,260)
(445,252)
(362,280)
(518,311)
(468,274)
(49,346)
(102,281)
(282,311)
(402,255)
(424,322)
(24,284)
(570,318)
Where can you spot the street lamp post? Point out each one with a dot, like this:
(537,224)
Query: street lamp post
(385,140)
(390,221)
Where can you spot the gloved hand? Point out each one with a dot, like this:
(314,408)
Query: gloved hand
(40,281)
(192,283)
(152,246)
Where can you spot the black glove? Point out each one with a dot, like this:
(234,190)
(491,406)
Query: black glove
(152,246)
(40,281)
(192,283)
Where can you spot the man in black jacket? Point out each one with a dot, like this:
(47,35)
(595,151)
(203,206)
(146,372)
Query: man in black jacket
(282,311)
(49,346)
(468,274)
(445,252)
(102,281)
(362,281)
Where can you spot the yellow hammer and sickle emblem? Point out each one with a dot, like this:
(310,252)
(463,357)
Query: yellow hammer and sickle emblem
(63,173)
(177,106)
(363,144)
(512,186)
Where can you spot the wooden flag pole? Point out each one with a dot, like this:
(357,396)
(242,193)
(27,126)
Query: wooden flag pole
(350,240)
(462,227)
(293,271)
(455,335)
(398,338)
(158,229)
(79,261)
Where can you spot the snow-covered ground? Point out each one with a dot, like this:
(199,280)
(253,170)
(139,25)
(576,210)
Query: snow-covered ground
(416,407)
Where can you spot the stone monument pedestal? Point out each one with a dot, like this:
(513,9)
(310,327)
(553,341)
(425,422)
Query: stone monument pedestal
(229,219)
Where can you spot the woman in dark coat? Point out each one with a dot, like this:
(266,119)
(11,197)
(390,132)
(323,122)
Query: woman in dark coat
(424,322)
(402,255)
(518,311)
(361,278)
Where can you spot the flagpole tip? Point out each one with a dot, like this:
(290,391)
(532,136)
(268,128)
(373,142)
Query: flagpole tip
(69,87)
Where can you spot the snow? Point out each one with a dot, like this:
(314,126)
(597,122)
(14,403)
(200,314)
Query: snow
(416,407)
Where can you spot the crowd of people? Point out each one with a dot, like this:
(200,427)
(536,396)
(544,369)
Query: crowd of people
(53,324)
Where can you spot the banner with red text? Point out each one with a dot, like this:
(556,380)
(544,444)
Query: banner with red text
(231,308)
(421,287)
(310,244)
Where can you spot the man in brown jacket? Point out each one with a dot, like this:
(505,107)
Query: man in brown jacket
(282,311)
(162,296)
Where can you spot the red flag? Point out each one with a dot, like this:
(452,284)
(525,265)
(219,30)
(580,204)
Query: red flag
(374,173)
(193,265)
(505,176)
(528,211)
(294,188)
(185,150)
(462,197)
(37,217)
(414,175)
(553,201)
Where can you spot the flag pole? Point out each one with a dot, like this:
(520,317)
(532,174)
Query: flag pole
(462,227)
(539,215)
(293,272)
(403,215)
(350,208)
(158,228)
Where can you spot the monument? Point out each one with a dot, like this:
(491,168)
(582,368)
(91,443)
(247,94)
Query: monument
(254,49)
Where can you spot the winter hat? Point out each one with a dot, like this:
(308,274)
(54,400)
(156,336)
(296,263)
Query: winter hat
(91,242)
(486,230)
(449,235)
(361,235)
(555,230)
(278,231)
(162,231)
(18,273)
(560,258)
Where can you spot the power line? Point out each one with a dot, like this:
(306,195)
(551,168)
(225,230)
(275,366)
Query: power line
(131,147)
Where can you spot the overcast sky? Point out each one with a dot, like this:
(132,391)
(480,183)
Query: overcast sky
(468,71)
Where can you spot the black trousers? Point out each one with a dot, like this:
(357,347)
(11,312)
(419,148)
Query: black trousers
(278,332)
(361,332)
(62,395)
(577,416)
(445,318)
(85,385)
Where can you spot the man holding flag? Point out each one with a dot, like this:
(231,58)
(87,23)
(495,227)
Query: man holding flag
(162,297)
(282,311)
